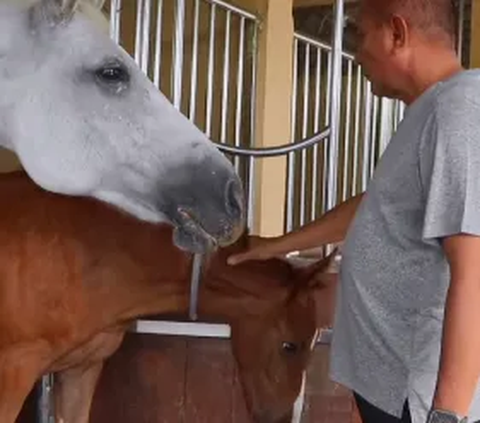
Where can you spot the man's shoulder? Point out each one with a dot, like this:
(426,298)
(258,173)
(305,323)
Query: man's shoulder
(459,92)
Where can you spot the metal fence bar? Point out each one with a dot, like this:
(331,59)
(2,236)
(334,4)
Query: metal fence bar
(253,110)
(240,87)
(194,72)
(348,112)
(178,52)
(291,156)
(45,403)
(211,71)
(335,104)
(145,54)
(367,135)
(115,15)
(316,128)
(356,135)
(326,147)
(226,78)
(303,159)
(158,45)
(139,32)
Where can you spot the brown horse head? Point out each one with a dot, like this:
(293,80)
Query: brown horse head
(273,308)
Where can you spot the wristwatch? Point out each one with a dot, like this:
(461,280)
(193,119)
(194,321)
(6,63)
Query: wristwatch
(443,416)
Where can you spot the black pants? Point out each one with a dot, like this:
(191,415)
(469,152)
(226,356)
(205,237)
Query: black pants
(371,414)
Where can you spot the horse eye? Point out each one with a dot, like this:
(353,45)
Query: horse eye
(112,74)
(290,347)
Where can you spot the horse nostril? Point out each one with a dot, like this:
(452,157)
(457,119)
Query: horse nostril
(234,199)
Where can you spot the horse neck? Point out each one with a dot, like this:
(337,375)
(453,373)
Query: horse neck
(228,294)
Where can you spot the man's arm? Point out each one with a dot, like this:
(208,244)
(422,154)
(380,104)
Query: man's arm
(328,229)
(460,358)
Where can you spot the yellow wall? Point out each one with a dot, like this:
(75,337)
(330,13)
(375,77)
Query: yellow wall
(475,35)
(273,111)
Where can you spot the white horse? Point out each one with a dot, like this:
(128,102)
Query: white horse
(84,120)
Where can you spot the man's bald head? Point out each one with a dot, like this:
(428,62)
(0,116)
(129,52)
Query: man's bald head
(432,18)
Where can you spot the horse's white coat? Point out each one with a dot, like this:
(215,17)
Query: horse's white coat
(75,134)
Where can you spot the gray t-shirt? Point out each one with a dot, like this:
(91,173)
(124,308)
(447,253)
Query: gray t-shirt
(394,274)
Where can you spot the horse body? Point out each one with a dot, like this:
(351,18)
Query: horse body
(75,273)
(84,120)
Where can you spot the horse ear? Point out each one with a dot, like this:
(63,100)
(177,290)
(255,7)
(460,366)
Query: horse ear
(52,12)
(317,274)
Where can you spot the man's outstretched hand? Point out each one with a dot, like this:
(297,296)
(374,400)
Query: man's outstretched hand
(259,249)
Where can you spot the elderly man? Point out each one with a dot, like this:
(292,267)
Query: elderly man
(407,325)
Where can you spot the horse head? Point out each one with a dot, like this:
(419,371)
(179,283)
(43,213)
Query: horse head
(84,120)
(276,310)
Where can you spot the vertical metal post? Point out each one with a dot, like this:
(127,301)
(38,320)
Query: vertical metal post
(157,71)
(348,112)
(211,71)
(138,32)
(195,286)
(367,134)
(193,80)
(316,128)
(45,405)
(303,154)
(146,36)
(356,134)
(226,79)
(460,27)
(178,53)
(240,86)
(253,117)
(115,12)
(291,155)
(335,104)
(386,123)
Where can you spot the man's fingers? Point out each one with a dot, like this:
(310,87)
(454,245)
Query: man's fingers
(235,259)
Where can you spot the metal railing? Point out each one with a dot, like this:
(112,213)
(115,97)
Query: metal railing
(365,124)
(202,54)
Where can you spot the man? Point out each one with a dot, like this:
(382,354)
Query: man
(407,324)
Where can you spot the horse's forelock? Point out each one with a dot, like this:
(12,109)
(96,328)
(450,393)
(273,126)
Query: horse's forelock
(97,4)
(260,278)
(93,9)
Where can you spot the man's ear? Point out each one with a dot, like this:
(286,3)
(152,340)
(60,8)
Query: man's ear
(400,32)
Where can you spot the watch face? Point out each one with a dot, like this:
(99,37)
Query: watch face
(437,416)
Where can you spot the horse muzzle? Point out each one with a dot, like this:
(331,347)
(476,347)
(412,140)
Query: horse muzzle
(209,212)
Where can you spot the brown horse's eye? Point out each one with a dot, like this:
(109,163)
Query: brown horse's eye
(290,347)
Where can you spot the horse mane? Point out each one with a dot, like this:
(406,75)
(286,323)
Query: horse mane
(260,278)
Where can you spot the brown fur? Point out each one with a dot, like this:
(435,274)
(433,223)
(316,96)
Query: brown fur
(74,274)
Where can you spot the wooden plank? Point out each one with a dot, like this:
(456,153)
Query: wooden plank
(144,382)
(210,371)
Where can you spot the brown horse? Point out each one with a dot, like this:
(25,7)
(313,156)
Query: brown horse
(75,273)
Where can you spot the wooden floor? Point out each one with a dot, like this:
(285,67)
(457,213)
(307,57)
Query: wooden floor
(159,379)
